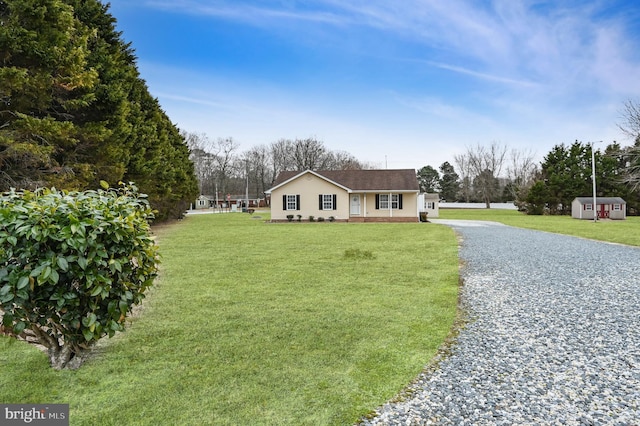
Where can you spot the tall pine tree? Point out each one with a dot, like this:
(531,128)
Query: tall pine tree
(75,110)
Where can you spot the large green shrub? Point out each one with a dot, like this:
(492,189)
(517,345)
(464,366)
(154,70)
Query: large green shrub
(73,265)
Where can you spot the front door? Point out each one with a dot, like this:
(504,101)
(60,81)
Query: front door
(355,204)
(603,213)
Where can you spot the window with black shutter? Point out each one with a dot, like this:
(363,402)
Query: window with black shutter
(386,201)
(327,201)
(291,202)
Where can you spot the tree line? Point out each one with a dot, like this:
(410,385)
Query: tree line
(482,173)
(494,174)
(221,168)
(74,110)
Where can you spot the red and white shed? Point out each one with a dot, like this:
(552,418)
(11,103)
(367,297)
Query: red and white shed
(606,207)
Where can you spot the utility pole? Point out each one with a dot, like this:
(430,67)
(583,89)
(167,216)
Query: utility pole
(593,180)
(246,194)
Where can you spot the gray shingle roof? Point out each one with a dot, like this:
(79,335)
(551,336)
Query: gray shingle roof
(601,200)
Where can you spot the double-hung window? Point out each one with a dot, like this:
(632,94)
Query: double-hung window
(327,201)
(388,201)
(383,201)
(395,201)
(291,202)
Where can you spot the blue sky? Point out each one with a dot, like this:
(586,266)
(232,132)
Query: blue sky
(396,83)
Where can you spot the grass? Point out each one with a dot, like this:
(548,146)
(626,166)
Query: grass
(615,231)
(262,324)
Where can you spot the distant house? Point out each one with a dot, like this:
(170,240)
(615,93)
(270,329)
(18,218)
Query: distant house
(203,202)
(429,203)
(346,195)
(607,208)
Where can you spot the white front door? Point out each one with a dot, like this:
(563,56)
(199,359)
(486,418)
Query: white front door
(355,204)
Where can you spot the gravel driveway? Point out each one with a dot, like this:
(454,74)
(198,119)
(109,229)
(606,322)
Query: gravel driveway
(553,336)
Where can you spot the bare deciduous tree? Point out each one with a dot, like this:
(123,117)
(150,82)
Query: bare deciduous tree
(465,173)
(303,154)
(631,127)
(487,163)
(482,166)
(260,170)
(281,156)
(200,147)
(213,161)
(220,169)
(341,160)
(309,154)
(630,119)
(521,171)
(226,161)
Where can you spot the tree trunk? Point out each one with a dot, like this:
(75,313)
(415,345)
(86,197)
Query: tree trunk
(65,358)
(61,356)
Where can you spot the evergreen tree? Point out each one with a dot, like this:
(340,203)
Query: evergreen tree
(45,79)
(536,198)
(449,182)
(567,173)
(75,110)
(428,179)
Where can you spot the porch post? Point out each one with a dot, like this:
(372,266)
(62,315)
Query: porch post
(364,205)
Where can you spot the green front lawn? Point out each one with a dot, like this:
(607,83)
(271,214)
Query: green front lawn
(615,231)
(260,323)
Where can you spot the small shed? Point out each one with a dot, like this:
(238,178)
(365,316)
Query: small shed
(606,207)
(429,203)
(203,202)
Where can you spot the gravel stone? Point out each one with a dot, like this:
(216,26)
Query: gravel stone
(553,335)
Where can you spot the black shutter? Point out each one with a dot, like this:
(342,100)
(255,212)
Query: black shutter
(400,201)
(335,202)
(320,202)
(298,202)
(284,202)
(377,201)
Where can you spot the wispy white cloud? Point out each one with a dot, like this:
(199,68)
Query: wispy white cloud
(246,12)
(485,76)
(529,72)
(506,41)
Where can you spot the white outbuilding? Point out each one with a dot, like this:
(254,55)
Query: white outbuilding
(606,207)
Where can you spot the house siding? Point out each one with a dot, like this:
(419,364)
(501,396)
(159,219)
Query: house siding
(309,187)
(343,185)
(408,210)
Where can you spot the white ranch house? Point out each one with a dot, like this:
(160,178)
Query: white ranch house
(346,195)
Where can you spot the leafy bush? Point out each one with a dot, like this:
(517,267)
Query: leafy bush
(73,265)
(289,217)
(312,219)
(320,219)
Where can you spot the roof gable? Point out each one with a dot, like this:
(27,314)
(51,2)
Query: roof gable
(401,180)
